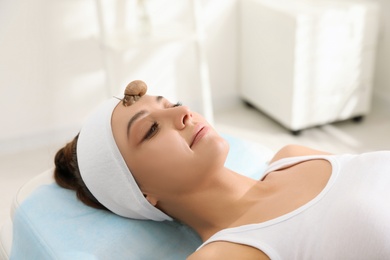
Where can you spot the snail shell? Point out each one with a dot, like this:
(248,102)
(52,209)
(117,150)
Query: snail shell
(134,90)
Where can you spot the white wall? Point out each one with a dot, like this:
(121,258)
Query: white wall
(52,71)
(222,22)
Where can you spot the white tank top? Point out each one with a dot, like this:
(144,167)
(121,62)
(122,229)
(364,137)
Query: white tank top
(349,219)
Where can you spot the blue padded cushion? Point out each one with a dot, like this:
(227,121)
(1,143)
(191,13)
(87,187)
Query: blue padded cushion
(52,224)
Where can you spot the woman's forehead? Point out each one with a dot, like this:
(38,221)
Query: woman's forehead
(121,112)
(144,100)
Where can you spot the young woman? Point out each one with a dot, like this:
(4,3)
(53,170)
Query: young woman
(146,158)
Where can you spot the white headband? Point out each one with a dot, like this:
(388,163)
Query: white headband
(105,172)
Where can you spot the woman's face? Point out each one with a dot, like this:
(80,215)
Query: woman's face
(169,149)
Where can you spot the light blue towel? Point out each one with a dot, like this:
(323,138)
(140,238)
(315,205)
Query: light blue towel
(52,224)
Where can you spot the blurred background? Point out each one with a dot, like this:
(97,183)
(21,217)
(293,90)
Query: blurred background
(293,61)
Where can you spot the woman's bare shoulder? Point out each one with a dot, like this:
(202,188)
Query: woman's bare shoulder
(295,150)
(227,250)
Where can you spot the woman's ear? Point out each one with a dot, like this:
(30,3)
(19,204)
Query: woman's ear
(151,199)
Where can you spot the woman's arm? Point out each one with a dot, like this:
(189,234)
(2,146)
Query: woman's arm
(295,150)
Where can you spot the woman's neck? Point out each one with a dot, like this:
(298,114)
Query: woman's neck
(217,204)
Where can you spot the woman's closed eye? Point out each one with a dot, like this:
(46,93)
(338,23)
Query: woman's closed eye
(178,104)
(152,131)
(155,126)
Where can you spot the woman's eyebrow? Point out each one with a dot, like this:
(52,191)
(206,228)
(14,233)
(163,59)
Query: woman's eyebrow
(138,115)
(133,119)
(159,98)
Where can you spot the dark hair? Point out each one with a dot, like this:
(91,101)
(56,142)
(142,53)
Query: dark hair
(67,174)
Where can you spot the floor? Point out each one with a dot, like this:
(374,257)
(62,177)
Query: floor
(342,137)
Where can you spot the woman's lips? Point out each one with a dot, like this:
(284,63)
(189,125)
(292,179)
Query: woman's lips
(199,134)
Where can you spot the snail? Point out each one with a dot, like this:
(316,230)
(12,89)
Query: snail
(134,90)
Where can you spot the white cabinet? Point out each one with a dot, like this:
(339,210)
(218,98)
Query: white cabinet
(308,63)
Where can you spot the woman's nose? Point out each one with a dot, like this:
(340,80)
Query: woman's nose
(183,116)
